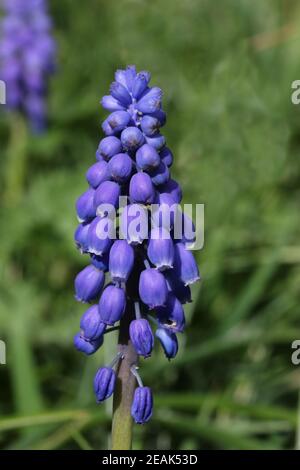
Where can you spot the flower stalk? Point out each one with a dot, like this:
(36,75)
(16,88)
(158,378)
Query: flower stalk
(126,382)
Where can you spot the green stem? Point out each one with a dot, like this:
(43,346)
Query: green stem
(126,382)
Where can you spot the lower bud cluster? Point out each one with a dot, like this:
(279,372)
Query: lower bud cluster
(149,272)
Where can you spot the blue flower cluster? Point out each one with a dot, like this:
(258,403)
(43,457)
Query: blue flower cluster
(27,57)
(150,269)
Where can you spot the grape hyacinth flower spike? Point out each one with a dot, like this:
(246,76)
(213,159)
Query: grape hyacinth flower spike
(27,58)
(149,270)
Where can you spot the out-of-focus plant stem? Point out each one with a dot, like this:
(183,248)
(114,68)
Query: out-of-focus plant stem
(15,160)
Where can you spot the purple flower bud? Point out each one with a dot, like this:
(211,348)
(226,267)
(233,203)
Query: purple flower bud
(104,383)
(100,262)
(126,77)
(165,214)
(150,125)
(172,188)
(81,237)
(166,156)
(153,288)
(111,104)
(107,129)
(120,77)
(187,230)
(100,235)
(185,265)
(88,284)
(121,261)
(160,175)
(141,336)
(116,122)
(107,194)
(120,167)
(147,158)
(161,249)
(109,146)
(160,115)
(169,342)
(171,316)
(134,224)
(141,409)
(97,173)
(112,304)
(156,141)
(177,287)
(130,74)
(150,101)
(140,84)
(141,189)
(91,325)
(132,138)
(120,93)
(85,346)
(85,206)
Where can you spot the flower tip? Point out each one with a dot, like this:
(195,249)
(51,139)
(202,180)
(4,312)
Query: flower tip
(193,280)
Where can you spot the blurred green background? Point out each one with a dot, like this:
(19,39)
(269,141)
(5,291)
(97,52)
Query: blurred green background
(226,69)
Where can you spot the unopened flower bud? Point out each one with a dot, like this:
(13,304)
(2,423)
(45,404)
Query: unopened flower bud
(85,206)
(141,189)
(141,409)
(120,167)
(161,249)
(91,325)
(85,346)
(141,336)
(153,288)
(97,173)
(100,235)
(112,304)
(104,383)
(121,261)
(147,158)
(109,146)
(88,284)
(185,265)
(132,138)
(150,101)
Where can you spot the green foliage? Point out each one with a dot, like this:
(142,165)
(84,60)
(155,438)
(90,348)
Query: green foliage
(236,141)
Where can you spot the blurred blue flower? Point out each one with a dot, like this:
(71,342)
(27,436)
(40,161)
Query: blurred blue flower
(27,57)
